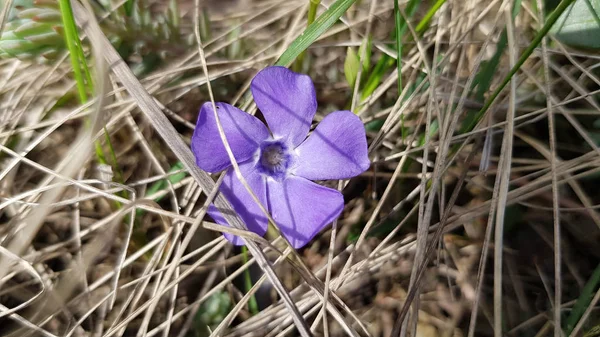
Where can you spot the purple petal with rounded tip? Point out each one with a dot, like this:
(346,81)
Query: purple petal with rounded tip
(302,208)
(242,202)
(337,149)
(287,100)
(244,133)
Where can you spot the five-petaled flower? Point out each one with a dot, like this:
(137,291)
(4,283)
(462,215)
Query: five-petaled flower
(279,164)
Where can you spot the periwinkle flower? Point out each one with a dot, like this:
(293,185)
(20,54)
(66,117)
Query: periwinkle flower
(279,164)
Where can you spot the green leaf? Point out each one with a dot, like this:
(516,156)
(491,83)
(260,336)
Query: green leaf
(579,25)
(382,66)
(215,308)
(172,178)
(366,62)
(583,301)
(312,32)
(593,332)
(374,126)
(351,66)
(399,29)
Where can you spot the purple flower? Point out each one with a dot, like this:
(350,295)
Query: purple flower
(279,164)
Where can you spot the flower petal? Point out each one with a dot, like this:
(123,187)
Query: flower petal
(244,133)
(302,208)
(337,149)
(287,100)
(242,202)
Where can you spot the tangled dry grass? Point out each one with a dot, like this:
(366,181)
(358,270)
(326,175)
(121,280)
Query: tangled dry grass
(492,231)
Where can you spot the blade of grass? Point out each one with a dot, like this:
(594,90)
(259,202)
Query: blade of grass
(504,166)
(164,184)
(484,78)
(321,24)
(555,193)
(536,41)
(398,21)
(128,6)
(312,14)
(83,79)
(381,67)
(386,62)
(583,301)
(252,304)
(70,39)
(424,23)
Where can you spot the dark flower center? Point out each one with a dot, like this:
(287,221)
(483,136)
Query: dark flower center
(274,159)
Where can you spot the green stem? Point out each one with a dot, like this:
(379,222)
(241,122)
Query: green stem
(398,21)
(312,11)
(252,304)
(312,14)
(70,37)
(562,6)
(314,30)
(422,25)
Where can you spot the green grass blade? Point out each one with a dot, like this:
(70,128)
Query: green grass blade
(316,29)
(397,20)
(536,41)
(424,23)
(483,79)
(72,40)
(312,11)
(252,304)
(381,67)
(386,62)
(411,8)
(172,177)
(312,14)
(584,299)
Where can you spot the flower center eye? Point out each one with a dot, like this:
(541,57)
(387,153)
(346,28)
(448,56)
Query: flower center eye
(274,159)
(272,155)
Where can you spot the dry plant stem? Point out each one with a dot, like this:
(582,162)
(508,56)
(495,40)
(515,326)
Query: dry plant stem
(555,195)
(504,172)
(373,216)
(138,291)
(242,302)
(383,198)
(22,265)
(43,136)
(424,216)
(430,249)
(587,203)
(139,310)
(178,254)
(212,276)
(328,272)
(444,147)
(425,209)
(494,196)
